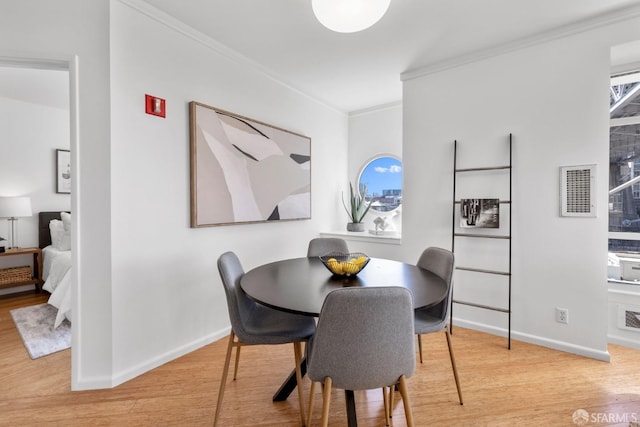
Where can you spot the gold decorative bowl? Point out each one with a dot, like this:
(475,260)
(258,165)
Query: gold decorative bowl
(345,265)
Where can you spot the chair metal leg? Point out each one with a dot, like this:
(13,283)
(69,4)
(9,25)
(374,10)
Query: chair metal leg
(404,392)
(223,380)
(420,346)
(297,351)
(453,364)
(326,401)
(235,369)
(311,396)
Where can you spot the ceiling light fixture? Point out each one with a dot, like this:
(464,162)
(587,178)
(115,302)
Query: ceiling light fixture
(349,16)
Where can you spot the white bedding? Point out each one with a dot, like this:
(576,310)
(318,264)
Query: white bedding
(56,271)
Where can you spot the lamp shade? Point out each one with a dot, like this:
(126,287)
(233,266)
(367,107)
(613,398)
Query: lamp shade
(349,16)
(15,207)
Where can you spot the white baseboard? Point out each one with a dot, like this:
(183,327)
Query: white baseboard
(96,383)
(135,371)
(126,375)
(537,340)
(625,342)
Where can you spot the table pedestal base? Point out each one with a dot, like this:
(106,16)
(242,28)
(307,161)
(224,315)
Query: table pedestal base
(290,383)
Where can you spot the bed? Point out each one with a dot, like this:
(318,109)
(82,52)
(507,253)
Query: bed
(54,240)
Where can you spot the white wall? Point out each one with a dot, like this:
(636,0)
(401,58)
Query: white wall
(374,132)
(74,34)
(167,298)
(167,295)
(30,133)
(553,97)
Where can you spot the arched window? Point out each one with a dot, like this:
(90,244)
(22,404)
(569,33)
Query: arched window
(382,176)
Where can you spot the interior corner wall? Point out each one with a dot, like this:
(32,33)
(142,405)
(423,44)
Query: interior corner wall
(374,132)
(553,98)
(167,295)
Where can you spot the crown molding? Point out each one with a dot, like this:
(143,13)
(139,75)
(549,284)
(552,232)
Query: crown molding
(547,36)
(38,61)
(376,108)
(221,49)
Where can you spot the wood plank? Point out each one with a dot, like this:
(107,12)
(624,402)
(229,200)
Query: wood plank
(525,386)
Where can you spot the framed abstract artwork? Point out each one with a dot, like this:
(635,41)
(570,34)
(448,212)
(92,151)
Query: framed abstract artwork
(63,171)
(246,171)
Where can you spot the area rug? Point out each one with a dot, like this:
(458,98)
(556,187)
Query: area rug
(35,324)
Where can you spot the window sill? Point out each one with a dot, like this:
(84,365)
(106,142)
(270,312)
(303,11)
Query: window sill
(624,282)
(365,236)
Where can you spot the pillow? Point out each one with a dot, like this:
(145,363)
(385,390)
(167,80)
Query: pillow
(60,239)
(66,221)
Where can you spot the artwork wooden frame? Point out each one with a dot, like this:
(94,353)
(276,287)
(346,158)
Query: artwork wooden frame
(246,171)
(63,171)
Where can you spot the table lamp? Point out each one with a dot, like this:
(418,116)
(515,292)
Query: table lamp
(12,208)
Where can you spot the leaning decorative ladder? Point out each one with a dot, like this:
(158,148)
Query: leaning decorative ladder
(465,235)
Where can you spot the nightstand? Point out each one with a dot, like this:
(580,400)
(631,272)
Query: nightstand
(35,276)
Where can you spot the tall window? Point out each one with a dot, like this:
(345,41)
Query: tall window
(624,164)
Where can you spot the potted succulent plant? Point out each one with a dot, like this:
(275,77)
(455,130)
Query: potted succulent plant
(357,209)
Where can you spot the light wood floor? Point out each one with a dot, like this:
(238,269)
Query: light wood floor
(524,386)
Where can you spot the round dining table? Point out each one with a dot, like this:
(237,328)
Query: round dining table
(300,285)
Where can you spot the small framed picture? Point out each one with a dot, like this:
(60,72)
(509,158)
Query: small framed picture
(480,213)
(63,171)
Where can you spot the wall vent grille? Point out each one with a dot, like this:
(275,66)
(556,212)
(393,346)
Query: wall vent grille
(629,318)
(577,191)
(632,319)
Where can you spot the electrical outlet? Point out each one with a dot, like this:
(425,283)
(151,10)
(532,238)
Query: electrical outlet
(562,315)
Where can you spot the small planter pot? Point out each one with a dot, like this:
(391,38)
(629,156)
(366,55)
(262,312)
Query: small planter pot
(355,226)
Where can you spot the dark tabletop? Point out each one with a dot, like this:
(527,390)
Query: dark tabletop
(300,285)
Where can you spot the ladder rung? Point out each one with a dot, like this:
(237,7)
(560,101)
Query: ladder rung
(487,307)
(490,168)
(481,270)
(486,236)
(457,202)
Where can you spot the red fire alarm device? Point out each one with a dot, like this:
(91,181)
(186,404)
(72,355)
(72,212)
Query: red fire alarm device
(155,106)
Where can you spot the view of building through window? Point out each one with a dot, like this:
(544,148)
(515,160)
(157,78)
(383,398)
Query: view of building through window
(624,164)
(383,178)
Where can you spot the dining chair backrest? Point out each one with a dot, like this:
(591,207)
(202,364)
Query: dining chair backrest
(324,245)
(257,324)
(435,319)
(239,304)
(364,338)
(440,262)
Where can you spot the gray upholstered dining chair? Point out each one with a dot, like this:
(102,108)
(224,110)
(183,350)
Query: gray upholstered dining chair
(324,245)
(376,350)
(255,324)
(435,319)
